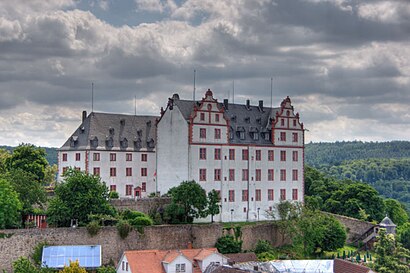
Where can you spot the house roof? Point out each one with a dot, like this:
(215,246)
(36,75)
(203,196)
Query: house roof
(141,261)
(242,257)
(105,131)
(342,266)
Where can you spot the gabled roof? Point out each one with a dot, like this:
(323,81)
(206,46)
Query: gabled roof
(242,257)
(342,266)
(104,131)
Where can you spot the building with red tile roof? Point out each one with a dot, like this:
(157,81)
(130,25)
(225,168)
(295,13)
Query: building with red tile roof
(342,266)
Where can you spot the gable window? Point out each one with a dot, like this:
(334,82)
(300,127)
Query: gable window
(113,157)
(217,117)
(295,155)
(128,157)
(282,122)
(202,153)
(282,136)
(217,154)
(96,156)
(270,155)
(217,133)
(231,154)
(258,155)
(295,137)
(202,133)
(179,268)
(64,157)
(294,123)
(245,154)
(202,116)
(77,157)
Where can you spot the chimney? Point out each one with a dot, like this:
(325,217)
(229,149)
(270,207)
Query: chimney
(226,104)
(261,105)
(248,104)
(189,245)
(84,115)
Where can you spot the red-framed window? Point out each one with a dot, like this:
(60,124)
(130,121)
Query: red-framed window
(294,194)
(270,195)
(128,190)
(77,156)
(231,196)
(217,154)
(245,174)
(113,156)
(217,133)
(282,136)
(96,156)
(295,156)
(202,153)
(245,154)
(282,155)
(144,186)
(258,155)
(144,172)
(113,187)
(294,175)
(244,195)
(271,155)
(144,157)
(295,137)
(258,174)
(64,157)
(294,123)
(113,172)
(96,171)
(217,117)
(282,122)
(231,154)
(271,175)
(217,174)
(283,175)
(128,157)
(202,116)
(231,174)
(202,174)
(282,194)
(128,171)
(258,195)
(202,132)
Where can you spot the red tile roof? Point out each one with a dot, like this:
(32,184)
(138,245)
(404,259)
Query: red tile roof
(342,266)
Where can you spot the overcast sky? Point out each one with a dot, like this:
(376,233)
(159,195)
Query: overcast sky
(345,64)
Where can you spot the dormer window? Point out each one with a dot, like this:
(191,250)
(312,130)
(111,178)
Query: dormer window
(94,142)
(247,119)
(124,142)
(259,120)
(202,116)
(73,141)
(150,143)
(82,129)
(139,133)
(253,132)
(137,143)
(111,130)
(267,136)
(109,141)
(122,122)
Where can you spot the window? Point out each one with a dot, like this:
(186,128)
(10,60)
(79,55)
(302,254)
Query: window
(202,174)
(144,157)
(295,137)
(282,155)
(128,171)
(258,175)
(270,195)
(217,117)
(245,174)
(231,154)
(217,174)
(123,264)
(144,186)
(270,155)
(283,194)
(244,209)
(126,266)
(217,133)
(231,196)
(96,171)
(255,136)
(202,116)
(202,153)
(282,122)
(231,174)
(113,172)
(65,169)
(128,190)
(96,156)
(282,136)
(258,156)
(242,135)
(267,136)
(113,157)
(294,123)
(245,154)
(294,175)
(77,157)
(128,157)
(217,154)
(295,156)
(244,195)
(144,172)
(283,175)
(64,157)
(258,195)
(113,187)
(179,268)
(294,194)
(202,133)
(271,175)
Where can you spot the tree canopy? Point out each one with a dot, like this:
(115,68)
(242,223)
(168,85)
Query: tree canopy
(10,205)
(77,197)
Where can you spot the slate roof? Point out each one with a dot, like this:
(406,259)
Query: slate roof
(250,119)
(105,131)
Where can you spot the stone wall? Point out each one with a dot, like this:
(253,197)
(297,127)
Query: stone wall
(145,205)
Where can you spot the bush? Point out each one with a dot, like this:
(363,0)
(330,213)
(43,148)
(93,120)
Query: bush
(106,269)
(93,228)
(123,228)
(266,256)
(263,246)
(227,244)
(38,253)
(114,195)
(141,221)
(132,214)
(23,265)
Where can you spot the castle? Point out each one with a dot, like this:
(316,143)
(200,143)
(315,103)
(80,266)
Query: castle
(253,156)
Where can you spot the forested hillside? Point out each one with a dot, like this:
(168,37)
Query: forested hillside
(51,153)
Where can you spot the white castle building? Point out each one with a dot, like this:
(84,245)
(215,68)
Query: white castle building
(252,155)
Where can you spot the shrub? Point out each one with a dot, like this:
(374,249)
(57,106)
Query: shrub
(132,214)
(141,221)
(114,195)
(266,256)
(93,228)
(263,246)
(123,228)
(106,269)
(38,253)
(227,244)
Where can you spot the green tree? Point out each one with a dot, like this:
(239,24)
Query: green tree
(228,244)
(79,196)
(4,155)
(391,255)
(10,205)
(263,246)
(30,159)
(191,198)
(106,269)
(50,173)
(213,204)
(23,265)
(74,267)
(396,212)
(403,235)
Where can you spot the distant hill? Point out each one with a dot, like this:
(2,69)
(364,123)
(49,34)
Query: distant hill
(51,153)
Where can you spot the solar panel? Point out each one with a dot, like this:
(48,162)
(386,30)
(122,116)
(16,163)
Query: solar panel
(60,256)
